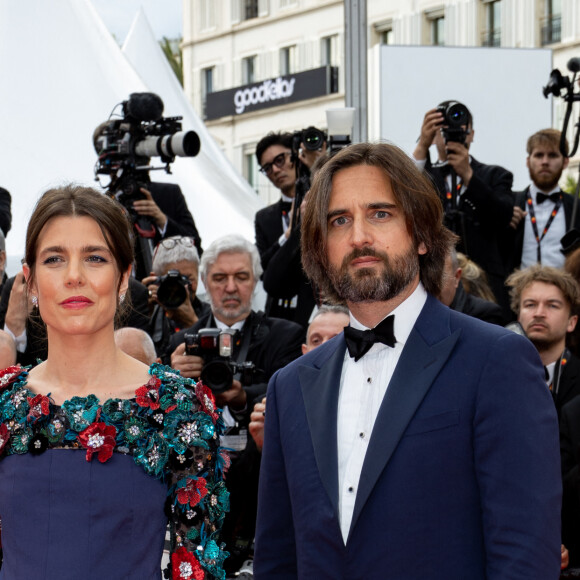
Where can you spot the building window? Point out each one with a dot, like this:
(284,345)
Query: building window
(250,9)
(287,60)
(552,22)
(207,84)
(437,26)
(492,32)
(329,50)
(287,3)
(207,15)
(248,70)
(251,170)
(387,36)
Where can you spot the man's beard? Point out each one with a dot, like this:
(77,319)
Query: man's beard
(545,181)
(229,313)
(368,285)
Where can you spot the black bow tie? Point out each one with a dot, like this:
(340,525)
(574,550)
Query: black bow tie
(359,342)
(542,197)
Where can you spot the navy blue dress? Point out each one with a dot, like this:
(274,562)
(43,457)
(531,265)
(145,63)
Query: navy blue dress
(86,490)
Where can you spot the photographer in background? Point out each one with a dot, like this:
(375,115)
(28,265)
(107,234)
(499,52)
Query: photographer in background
(230,269)
(172,290)
(125,147)
(481,207)
(286,159)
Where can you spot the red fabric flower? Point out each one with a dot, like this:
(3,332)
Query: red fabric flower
(148,395)
(4,437)
(8,375)
(185,566)
(39,406)
(193,492)
(98,438)
(206,399)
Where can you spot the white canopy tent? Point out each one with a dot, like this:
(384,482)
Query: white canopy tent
(62,73)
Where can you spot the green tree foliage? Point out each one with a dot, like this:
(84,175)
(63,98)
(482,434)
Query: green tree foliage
(172,51)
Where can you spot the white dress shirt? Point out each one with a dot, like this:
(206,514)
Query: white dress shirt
(363,385)
(550,244)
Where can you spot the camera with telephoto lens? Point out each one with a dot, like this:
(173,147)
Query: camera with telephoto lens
(456,118)
(216,347)
(124,145)
(172,289)
(311,138)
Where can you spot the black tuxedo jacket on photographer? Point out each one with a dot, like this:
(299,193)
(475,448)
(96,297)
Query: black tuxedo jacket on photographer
(487,208)
(515,238)
(274,344)
(269,228)
(570,454)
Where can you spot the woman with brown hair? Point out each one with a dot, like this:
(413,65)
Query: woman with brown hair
(98,450)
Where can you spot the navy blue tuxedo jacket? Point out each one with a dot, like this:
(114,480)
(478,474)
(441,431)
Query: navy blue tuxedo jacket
(460,480)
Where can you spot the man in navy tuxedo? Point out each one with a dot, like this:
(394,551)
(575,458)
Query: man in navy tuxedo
(434,455)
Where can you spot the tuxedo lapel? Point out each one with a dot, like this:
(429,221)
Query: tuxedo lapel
(320,387)
(416,370)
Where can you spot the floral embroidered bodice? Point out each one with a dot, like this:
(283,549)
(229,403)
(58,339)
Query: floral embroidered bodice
(171,430)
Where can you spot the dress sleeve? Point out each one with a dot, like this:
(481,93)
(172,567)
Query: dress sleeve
(197,499)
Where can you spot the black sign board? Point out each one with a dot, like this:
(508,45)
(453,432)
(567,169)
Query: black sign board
(272,92)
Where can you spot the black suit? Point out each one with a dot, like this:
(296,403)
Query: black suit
(274,344)
(476,307)
(284,278)
(570,454)
(486,208)
(515,238)
(269,228)
(5,211)
(170,199)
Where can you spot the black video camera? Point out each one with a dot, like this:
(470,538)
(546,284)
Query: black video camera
(125,145)
(456,118)
(216,347)
(172,290)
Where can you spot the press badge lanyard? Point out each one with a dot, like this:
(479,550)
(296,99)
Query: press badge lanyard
(535,224)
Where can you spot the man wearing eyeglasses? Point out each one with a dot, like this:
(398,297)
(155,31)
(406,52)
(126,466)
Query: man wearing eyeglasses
(273,224)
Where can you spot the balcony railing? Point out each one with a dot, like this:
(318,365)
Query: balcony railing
(491,37)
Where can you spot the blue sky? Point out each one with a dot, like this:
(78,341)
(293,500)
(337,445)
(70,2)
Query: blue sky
(163,15)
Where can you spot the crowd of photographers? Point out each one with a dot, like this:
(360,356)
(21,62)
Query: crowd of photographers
(236,350)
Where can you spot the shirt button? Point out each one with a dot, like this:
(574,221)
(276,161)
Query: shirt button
(361,435)
(351,489)
(369,380)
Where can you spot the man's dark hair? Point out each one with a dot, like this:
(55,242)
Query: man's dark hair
(284,139)
(413,192)
(469,115)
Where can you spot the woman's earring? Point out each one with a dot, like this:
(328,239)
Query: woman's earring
(35,301)
(121,298)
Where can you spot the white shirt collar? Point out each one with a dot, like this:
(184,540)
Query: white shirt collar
(236,325)
(406,315)
(286,198)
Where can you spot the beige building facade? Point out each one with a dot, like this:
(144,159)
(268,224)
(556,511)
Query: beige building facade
(254,66)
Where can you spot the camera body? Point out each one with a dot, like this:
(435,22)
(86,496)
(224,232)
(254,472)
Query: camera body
(172,290)
(455,120)
(216,348)
(311,138)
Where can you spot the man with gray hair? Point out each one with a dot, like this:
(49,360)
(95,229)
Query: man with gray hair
(230,269)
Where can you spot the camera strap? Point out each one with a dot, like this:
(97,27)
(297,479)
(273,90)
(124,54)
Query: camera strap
(248,334)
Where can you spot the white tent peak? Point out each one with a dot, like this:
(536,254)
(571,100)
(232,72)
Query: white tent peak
(60,86)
